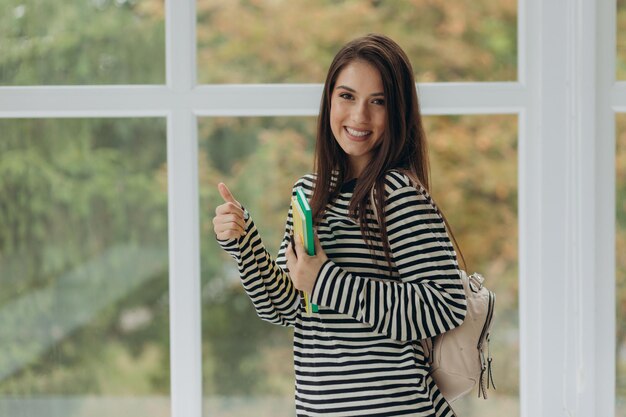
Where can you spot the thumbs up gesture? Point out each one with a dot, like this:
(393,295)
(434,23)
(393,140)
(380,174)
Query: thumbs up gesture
(228,222)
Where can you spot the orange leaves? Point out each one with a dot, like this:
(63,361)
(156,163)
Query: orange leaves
(474,177)
(294,41)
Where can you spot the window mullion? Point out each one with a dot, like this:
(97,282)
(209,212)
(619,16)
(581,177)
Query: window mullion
(184,242)
(567,212)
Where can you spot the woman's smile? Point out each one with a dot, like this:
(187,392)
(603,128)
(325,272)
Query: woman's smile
(357,135)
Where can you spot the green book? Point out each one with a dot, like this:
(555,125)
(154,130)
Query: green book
(302,213)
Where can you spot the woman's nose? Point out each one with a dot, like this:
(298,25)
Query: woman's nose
(360,113)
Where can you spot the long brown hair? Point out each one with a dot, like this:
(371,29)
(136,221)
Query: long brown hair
(402,146)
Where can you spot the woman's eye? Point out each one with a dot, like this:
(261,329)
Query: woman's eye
(379,101)
(346,96)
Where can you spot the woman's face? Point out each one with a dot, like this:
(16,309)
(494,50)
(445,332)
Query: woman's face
(358,113)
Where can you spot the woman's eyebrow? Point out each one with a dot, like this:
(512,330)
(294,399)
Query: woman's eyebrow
(352,90)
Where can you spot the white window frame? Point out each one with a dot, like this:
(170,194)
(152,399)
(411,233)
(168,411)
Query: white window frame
(565,99)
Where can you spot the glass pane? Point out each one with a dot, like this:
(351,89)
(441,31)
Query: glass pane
(247,363)
(621,40)
(84,268)
(620,284)
(480,202)
(282,41)
(82,42)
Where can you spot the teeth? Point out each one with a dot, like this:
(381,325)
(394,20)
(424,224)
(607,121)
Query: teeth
(357,133)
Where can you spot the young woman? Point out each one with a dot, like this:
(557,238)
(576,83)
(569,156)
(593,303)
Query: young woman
(385,273)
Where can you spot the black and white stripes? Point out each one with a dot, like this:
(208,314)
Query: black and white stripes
(359,355)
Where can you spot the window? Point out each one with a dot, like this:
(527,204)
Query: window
(84,266)
(445,41)
(620,249)
(247,363)
(82,42)
(481,203)
(76,116)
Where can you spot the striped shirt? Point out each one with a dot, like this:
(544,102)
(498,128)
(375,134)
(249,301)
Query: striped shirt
(360,355)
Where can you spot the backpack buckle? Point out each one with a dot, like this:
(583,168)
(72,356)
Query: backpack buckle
(476,282)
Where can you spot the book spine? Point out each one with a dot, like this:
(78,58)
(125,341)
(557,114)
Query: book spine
(309,243)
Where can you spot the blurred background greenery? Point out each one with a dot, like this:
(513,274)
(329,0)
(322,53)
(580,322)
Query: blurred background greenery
(283,41)
(83,213)
(621,40)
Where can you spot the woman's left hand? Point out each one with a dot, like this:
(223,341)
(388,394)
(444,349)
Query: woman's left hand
(303,268)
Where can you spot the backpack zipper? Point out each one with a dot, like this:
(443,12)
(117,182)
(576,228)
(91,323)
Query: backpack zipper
(487,324)
(486,364)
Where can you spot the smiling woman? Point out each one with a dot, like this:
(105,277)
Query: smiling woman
(357,113)
(373,279)
(246,362)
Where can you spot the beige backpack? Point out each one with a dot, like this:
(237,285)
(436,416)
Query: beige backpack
(457,357)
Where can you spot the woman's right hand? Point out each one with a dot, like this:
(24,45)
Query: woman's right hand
(228,222)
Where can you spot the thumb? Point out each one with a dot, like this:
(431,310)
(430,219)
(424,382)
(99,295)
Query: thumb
(226,194)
